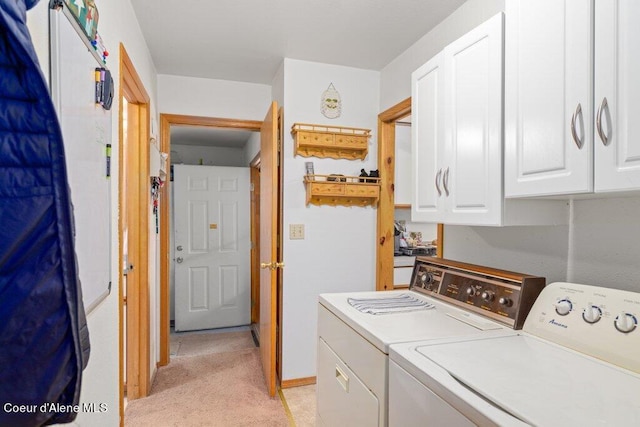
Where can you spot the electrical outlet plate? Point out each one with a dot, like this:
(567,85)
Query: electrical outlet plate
(296,231)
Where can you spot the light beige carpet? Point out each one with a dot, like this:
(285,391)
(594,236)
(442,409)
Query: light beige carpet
(204,343)
(302,404)
(212,389)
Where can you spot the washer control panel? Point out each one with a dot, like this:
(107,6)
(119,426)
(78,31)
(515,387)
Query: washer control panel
(600,322)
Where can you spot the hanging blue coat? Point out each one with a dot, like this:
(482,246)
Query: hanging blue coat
(44,341)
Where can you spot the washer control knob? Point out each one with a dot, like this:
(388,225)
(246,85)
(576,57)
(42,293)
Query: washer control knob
(564,306)
(625,322)
(471,291)
(592,314)
(488,296)
(426,278)
(507,302)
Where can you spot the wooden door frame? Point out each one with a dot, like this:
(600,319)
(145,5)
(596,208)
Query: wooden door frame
(137,325)
(166,121)
(386,206)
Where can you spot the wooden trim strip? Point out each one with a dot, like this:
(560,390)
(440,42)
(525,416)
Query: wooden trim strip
(164,315)
(179,119)
(298,382)
(398,111)
(440,237)
(292,421)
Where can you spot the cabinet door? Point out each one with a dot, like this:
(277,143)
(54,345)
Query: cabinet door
(342,398)
(617,95)
(472,169)
(427,132)
(548,85)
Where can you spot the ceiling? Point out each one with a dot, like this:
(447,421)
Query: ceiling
(246,40)
(208,136)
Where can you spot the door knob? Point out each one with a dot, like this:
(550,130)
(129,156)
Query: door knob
(179,248)
(268,265)
(278,264)
(179,260)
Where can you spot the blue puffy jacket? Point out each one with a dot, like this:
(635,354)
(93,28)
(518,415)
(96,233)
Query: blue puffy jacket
(44,341)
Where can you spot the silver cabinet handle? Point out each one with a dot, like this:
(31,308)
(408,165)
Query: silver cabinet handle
(601,109)
(574,133)
(179,248)
(445,182)
(438,182)
(179,260)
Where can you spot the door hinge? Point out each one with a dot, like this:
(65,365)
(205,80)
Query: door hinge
(251,187)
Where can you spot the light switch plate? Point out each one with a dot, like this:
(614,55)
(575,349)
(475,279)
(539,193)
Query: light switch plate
(296,231)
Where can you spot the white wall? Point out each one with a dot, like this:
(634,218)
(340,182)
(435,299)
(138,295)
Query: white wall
(395,78)
(251,149)
(338,252)
(118,24)
(605,243)
(212,98)
(277,86)
(210,156)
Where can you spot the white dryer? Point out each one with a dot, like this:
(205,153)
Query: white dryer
(446,299)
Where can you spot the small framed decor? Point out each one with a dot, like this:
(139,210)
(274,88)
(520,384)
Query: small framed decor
(330,103)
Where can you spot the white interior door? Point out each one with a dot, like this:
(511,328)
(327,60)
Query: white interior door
(212,247)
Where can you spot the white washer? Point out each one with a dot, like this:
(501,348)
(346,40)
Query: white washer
(353,346)
(575,363)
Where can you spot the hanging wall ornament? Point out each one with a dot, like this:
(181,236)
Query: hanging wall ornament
(330,104)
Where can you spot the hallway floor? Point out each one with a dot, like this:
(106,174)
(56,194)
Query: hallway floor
(215,379)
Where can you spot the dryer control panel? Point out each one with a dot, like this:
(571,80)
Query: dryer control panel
(499,294)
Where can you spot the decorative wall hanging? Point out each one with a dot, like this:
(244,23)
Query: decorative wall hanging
(330,103)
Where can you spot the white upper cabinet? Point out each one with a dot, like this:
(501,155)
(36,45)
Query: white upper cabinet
(457,131)
(571,95)
(427,129)
(548,97)
(617,95)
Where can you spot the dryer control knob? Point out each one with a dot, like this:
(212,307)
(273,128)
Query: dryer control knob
(426,277)
(564,306)
(625,322)
(487,296)
(507,302)
(592,314)
(471,291)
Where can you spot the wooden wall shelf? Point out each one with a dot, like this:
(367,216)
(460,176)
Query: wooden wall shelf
(336,142)
(342,190)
